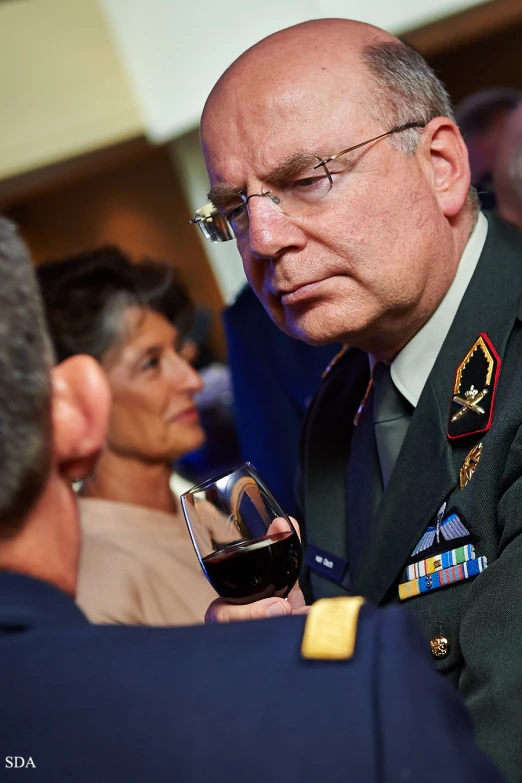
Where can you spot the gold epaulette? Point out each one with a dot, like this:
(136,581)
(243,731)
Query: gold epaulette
(331,628)
(337,358)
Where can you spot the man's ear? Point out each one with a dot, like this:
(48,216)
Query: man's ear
(80,413)
(446,158)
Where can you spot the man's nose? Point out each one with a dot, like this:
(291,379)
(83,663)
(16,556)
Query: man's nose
(271,232)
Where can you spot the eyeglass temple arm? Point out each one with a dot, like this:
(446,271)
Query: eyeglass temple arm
(406,126)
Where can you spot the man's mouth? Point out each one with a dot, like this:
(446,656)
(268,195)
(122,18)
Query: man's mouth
(300,293)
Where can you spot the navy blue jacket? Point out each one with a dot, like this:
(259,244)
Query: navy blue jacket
(221,703)
(273,378)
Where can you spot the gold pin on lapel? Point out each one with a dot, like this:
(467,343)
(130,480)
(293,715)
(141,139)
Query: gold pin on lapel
(470,464)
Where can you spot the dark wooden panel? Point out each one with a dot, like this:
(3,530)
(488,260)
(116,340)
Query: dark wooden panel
(493,61)
(460,29)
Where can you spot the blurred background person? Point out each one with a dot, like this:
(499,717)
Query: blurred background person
(221,451)
(274,377)
(482,118)
(507,175)
(138,564)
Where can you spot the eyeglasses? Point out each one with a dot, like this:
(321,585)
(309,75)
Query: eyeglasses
(295,198)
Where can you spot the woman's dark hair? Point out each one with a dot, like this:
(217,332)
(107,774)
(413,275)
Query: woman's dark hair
(85,297)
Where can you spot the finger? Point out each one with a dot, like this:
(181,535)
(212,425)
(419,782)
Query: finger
(280,525)
(221,611)
(296,598)
(295,523)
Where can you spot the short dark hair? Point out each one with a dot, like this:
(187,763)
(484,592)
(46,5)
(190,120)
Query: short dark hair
(86,295)
(25,386)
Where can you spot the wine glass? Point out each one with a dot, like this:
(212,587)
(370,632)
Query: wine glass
(245,543)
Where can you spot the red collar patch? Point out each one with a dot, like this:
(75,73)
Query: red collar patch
(474,389)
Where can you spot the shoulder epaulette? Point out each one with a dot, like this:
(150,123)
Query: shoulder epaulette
(331,628)
(338,356)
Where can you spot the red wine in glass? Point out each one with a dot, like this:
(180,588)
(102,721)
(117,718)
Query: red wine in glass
(246,544)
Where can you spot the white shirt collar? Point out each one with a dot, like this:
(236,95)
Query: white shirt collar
(411,367)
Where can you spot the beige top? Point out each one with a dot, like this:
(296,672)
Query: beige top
(138,567)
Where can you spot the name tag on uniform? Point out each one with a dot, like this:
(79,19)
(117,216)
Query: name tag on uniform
(325,563)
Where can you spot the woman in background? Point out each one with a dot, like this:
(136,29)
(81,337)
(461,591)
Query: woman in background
(138,565)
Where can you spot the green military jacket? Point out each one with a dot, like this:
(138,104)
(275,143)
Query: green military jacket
(480,618)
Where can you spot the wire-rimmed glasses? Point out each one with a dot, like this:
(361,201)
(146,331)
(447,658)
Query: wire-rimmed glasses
(297,197)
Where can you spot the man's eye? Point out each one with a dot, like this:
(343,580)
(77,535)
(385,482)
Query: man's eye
(308,183)
(235,213)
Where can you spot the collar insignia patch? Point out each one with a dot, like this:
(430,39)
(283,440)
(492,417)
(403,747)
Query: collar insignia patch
(474,389)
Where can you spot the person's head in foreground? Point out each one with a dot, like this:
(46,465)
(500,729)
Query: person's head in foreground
(53,423)
(356,246)
(130,318)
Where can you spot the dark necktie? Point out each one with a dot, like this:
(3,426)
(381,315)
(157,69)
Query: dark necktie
(391,415)
(375,446)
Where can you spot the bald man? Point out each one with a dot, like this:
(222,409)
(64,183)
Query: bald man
(336,164)
(507,174)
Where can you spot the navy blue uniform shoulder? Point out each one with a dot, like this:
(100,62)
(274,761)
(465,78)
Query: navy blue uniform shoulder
(222,703)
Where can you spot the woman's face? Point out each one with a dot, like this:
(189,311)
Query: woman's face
(153,416)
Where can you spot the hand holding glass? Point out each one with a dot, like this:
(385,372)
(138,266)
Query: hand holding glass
(245,543)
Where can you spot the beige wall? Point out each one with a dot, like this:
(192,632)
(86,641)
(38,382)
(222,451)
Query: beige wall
(174,51)
(63,90)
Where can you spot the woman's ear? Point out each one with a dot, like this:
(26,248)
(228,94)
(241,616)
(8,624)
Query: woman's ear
(80,413)
(446,158)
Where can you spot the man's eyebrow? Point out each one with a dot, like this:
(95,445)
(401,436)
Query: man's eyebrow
(289,167)
(221,194)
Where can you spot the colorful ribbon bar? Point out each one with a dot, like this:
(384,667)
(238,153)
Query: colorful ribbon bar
(449,576)
(439,562)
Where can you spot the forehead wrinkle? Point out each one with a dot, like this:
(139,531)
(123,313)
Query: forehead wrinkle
(293,164)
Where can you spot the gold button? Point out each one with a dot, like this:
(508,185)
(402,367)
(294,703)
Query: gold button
(439,646)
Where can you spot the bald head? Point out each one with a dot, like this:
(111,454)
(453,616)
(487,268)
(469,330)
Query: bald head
(321,61)
(313,251)
(507,175)
(318,52)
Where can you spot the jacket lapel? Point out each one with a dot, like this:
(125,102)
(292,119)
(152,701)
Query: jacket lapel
(428,466)
(327,451)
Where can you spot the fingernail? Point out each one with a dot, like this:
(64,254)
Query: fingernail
(276,610)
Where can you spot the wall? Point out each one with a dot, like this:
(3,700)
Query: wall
(223,256)
(175,51)
(63,90)
(492,61)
